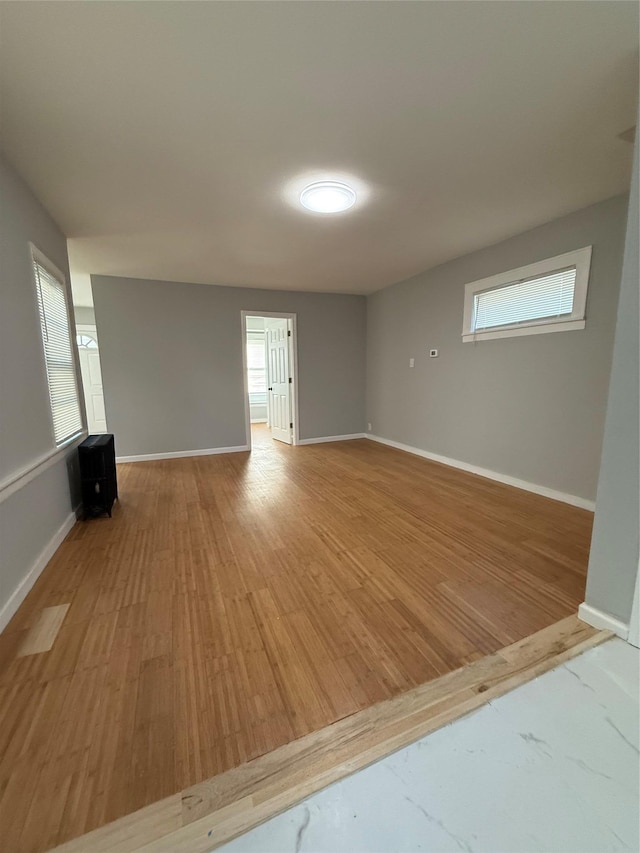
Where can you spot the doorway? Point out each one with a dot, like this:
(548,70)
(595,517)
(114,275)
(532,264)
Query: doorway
(270,375)
(89,354)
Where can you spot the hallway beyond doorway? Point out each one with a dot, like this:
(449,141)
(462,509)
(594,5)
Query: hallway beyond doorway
(270,374)
(262,440)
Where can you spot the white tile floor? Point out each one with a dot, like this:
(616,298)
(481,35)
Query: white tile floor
(552,766)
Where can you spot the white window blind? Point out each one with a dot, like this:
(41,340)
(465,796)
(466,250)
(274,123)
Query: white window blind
(256,363)
(58,353)
(545,297)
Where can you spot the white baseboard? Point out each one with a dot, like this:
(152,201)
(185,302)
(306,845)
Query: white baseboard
(179,454)
(600,619)
(258,420)
(324,438)
(20,592)
(574,500)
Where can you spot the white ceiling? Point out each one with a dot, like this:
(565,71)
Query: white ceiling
(164,136)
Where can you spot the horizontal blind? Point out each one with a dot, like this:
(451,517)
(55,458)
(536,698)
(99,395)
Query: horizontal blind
(61,373)
(543,297)
(256,367)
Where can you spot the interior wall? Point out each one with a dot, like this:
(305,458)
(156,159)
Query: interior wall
(32,511)
(527,407)
(171,356)
(613,561)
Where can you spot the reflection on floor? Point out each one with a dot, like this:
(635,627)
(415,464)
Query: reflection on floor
(261,438)
(552,766)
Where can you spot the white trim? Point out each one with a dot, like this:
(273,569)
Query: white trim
(180,454)
(574,500)
(600,619)
(21,591)
(293,366)
(324,438)
(634,621)
(16,481)
(533,328)
(580,258)
(258,420)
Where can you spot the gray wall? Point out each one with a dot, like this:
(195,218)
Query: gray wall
(31,516)
(529,407)
(613,563)
(171,357)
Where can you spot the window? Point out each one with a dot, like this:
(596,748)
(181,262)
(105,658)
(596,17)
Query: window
(86,342)
(548,296)
(58,351)
(256,367)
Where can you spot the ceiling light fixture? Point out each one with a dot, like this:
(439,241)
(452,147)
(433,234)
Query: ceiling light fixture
(328,197)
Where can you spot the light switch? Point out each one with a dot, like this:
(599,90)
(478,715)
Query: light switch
(412,362)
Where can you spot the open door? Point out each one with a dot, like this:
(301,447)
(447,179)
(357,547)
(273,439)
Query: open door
(88,352)
(277,334)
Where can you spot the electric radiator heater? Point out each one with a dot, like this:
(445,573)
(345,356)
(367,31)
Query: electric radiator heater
(97,455)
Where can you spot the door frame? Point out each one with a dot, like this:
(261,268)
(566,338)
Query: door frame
(293,367)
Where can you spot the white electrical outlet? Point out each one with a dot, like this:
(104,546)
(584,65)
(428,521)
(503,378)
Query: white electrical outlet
(412,362)
(369,427)
(433,353)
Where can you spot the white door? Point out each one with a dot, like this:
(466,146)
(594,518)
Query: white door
(278,377)
(92,381)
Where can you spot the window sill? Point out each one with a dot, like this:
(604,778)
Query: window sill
(81,433)
(519,331)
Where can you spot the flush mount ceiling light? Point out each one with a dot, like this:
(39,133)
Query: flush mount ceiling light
(327,197)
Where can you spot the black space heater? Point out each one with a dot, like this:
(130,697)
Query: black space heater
(97,455)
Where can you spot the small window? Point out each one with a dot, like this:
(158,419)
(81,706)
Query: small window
(548,296)
(58,351)
(256,365)
(86,342)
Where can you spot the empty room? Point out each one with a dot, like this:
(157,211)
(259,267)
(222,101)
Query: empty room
(319,426)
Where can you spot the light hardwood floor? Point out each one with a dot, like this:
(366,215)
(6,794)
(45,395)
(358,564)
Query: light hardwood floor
(235,603)
(207,815)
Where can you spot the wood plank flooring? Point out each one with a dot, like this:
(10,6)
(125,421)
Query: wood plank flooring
(211,813)
(235,603)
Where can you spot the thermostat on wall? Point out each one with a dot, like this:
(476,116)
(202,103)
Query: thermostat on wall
(433,353)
